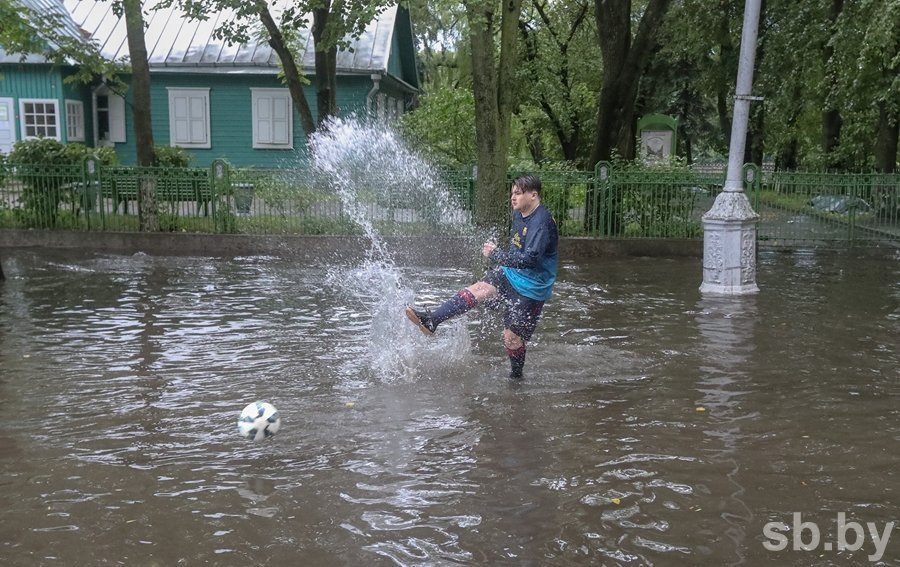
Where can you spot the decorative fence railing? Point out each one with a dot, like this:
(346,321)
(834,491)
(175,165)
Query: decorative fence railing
(604,203)
(828,207)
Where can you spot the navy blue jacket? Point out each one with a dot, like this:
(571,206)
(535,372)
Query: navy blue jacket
(530,263)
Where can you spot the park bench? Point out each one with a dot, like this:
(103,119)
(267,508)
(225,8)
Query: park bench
(172,186)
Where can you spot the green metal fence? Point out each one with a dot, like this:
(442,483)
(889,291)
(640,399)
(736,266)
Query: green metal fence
(828,207)
(605,203)
(641,203)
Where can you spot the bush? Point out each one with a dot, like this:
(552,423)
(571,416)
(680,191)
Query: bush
(171,156)
(106,155)
(45,167)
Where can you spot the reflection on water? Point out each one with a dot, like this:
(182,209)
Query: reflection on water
(122,378)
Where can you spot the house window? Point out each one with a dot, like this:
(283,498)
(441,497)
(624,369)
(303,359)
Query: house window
(39,118)
(75,120)
(189,118)
(109,118)
(272,118)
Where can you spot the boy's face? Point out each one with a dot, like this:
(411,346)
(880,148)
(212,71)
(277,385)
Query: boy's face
(522,201)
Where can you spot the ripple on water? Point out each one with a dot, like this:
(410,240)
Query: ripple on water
(123,379)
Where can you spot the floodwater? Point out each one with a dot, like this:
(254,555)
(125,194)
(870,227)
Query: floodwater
(654,427)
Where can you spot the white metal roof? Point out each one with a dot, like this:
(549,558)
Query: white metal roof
(176,43)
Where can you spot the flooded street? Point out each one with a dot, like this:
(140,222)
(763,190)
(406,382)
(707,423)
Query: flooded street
(654,426)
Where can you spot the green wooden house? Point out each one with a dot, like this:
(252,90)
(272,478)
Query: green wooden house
(213,99)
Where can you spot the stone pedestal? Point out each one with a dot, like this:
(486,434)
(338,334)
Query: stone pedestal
(729,246)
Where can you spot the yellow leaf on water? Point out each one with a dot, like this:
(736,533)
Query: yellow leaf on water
(616,501)
(701,409)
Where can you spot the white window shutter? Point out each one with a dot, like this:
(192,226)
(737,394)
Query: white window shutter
(189,118)
(280,127)
(197,107)
(116,119)
(264,120)
(272,119)
(180,121)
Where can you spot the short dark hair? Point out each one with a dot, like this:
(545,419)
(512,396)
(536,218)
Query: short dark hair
(528,183)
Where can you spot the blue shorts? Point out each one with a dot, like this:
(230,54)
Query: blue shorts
(522,313)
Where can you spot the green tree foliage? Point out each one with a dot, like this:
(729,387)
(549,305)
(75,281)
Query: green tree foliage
(558,79)
(867,53)
(441,28)
(829,73)
(692,76)
(444,124)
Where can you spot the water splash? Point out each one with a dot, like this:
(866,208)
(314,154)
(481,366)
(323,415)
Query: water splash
(382,182)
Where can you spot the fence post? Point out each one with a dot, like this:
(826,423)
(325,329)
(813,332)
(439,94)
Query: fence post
(219,184)
(471,196)
(752,183)
(90,193)
(596,221)
(854,182)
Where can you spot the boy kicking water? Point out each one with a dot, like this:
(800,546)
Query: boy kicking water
(522,278)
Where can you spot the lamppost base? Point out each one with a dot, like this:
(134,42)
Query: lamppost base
(729,246)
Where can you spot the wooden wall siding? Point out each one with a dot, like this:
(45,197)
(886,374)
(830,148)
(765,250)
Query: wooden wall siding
(231,127)
(230,110)
(31,81)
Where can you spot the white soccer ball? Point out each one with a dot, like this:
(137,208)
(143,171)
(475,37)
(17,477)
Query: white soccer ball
(258,421)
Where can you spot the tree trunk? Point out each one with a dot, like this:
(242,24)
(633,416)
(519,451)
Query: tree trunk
(148,214)
(326,66)
(492,86)
(787,159)
(289,66)
(886,139)
(831,116)
(722,113)
(623,64)
(753,151)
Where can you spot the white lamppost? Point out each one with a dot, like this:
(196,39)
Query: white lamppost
(729,227)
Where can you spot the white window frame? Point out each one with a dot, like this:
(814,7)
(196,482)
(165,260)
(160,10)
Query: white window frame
(74,120)
(201,119)
(23,117)
(115,117)
(262,123)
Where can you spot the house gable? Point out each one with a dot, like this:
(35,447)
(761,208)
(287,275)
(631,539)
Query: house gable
(402,61)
